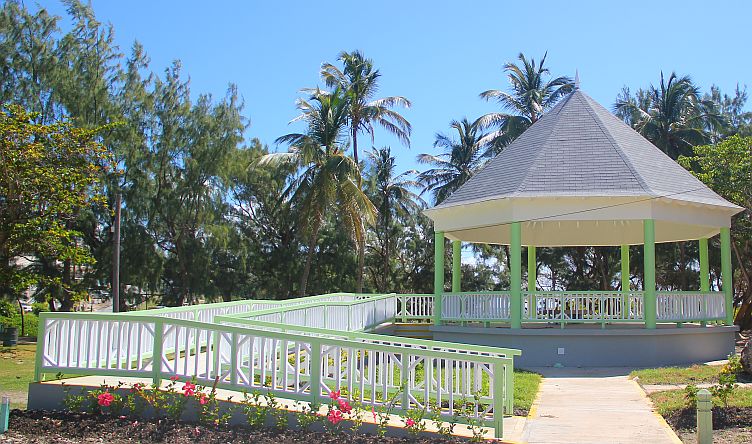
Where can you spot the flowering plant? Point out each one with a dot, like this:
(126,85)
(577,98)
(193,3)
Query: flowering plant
(339,409)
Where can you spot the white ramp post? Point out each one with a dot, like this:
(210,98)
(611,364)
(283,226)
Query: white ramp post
(704,417)
(4,414)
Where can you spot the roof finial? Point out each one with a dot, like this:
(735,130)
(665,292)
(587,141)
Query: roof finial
(576,79)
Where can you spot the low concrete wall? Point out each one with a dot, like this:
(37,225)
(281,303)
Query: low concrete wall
(596,347)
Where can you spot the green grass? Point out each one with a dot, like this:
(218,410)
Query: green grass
(16,372)
(670,400)
(526,386)
(695,374)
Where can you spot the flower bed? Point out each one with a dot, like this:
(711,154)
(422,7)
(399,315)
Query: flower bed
(186,400)
(66,427)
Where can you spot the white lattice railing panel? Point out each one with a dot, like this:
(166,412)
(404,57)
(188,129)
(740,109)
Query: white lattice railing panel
(414,306)
(690,306)
(584,306)
(103,344)
(481,306)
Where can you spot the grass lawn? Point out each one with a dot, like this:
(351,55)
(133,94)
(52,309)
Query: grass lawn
(694,374)
(16,372)
(526,386)
(672,400)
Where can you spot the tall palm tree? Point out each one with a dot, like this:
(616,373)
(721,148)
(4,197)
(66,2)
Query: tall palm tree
(360,82)
(673,116)
(329,180)
(392,195)
(461,158)
(530,97)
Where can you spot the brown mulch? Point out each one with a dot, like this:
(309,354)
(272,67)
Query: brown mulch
(723,418)
(63,428)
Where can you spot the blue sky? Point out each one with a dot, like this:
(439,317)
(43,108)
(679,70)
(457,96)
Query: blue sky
(439,54)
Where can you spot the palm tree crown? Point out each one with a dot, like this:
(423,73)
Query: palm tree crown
(530,97)
(359,82)
(672,116)
(461,158)
(329,179)
(392,195)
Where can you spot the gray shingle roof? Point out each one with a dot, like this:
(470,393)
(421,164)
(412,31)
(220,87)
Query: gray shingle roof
(580,149)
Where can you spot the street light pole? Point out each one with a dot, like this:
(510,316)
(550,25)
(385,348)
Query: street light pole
(116,257)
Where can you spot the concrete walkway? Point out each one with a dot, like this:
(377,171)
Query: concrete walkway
(593,406)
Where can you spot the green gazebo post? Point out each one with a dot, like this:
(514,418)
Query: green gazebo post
(515,282)
(649,282)
(726,274)
(532,269)
(438,276)
(704,272)
(625,283)
(456,265)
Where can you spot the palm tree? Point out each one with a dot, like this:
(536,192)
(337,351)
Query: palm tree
(461,158)
(530,97)
(392,195)
(329,180)
(359,81)
(672,116)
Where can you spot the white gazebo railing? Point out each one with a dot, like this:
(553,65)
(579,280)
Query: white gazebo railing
(585,306)
(476,306)
(683,306)
(414,307)
(582,306)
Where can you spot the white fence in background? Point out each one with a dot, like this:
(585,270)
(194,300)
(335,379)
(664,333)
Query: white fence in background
(357,315)
(476,306)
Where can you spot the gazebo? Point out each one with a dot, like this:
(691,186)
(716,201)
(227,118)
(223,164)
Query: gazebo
(580,176)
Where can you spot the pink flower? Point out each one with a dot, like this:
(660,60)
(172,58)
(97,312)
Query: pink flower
(105,399)
(344,406)
(334,395)
(373,412)
(189,389)
(203,400)
(137,387)
(334,416)
(174,378)
(410,422)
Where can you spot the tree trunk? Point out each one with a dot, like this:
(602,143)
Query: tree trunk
(23,324)
(354,133)
(361,264)
(309,260)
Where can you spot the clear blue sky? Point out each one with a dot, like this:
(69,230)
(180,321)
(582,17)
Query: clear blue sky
(439,54)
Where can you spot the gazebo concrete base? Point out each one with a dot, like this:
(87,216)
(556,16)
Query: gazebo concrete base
(590,346)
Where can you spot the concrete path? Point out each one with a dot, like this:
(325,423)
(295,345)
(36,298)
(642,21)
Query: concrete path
(593,406)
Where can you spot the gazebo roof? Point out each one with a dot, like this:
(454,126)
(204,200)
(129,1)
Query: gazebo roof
(581,176)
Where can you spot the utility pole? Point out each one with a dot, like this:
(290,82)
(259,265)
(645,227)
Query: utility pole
(116,257)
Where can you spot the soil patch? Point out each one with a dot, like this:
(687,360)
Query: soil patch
(44,427)
(723,418)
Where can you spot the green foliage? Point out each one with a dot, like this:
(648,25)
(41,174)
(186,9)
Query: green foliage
(726,168)
(50,173)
